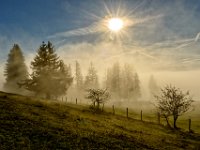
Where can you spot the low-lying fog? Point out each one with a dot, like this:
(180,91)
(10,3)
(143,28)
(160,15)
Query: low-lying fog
(104,55)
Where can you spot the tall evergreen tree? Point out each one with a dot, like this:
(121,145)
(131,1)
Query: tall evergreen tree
(91,80)
(116,79)
(123,83)
(153,87)
(50,77)
(128,82)
(108,77)
(79,77)
(137,90)
(15,70)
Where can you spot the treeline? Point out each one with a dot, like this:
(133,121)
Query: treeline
(51,77)
(123,82)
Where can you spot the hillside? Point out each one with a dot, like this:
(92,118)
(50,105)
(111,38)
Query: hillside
(27,123)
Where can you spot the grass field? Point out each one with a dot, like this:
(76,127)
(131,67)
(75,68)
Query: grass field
(151,116)
(30,123)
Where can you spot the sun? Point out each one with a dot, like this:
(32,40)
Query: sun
(115,24)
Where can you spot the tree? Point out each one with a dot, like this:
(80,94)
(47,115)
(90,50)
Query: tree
(153,87)
(79,77)
(98,96)
(123,83)
(136,87)
(91,80)
(64,79)
(15,69)
(115,79)
(173,102)
(130,83)
(50,77)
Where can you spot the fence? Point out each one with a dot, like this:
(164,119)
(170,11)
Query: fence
(129,114)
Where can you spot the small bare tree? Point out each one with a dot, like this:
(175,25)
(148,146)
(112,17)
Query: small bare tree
(98,96)
(173,102)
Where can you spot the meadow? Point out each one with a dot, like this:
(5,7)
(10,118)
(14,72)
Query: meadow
(32,123)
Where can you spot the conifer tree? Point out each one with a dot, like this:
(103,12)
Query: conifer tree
(128,82)
(50,77)
(153,87)
(15,70)
(137,91)
(123,83)
(91,80)
(116,79)
(79,77)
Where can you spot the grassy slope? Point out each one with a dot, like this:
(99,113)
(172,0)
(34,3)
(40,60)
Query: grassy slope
(33,124)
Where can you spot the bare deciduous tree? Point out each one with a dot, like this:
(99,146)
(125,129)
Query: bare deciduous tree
(173,102)
(98,96)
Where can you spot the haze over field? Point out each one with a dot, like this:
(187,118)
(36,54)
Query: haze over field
(159,38)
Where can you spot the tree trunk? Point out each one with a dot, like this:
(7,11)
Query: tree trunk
(103,107)
(168,124)
(98,105)
(175,119)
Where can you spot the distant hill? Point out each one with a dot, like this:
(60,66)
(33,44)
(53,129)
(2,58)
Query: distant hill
(29,123)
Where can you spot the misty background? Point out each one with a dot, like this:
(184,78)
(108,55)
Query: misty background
(164,41)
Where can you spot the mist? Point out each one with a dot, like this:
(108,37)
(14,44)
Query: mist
(171,57)
(104,54)
(166,70)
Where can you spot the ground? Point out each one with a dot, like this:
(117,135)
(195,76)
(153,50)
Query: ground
(30,123)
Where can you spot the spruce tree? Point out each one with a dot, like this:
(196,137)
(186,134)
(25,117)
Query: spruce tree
(123,83)
(153,87)
(128,82)
(79,77)
(91,80)
(116,79)
(15,70)
(136,91)
(50,77)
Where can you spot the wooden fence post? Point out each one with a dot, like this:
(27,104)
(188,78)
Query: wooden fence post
(141,115)
(190,125)
(66,99)
(113,109)
(102,107)
(127,112)
(76,100)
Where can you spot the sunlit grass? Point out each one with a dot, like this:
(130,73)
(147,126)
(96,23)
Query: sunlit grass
(34,124)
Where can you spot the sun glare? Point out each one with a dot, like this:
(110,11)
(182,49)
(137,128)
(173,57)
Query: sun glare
(115,24)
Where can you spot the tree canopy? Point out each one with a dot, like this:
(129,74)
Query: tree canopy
(15,70)
(50,77)
(98,96)
(79,77)
(91,80)
(173,102)
(123,82)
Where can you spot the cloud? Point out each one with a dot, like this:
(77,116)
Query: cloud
(77,32)
(197,37)
(100,27)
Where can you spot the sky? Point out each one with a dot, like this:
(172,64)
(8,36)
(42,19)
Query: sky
(160,36)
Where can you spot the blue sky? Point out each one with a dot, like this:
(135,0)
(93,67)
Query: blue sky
(41,18)
(29,22)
